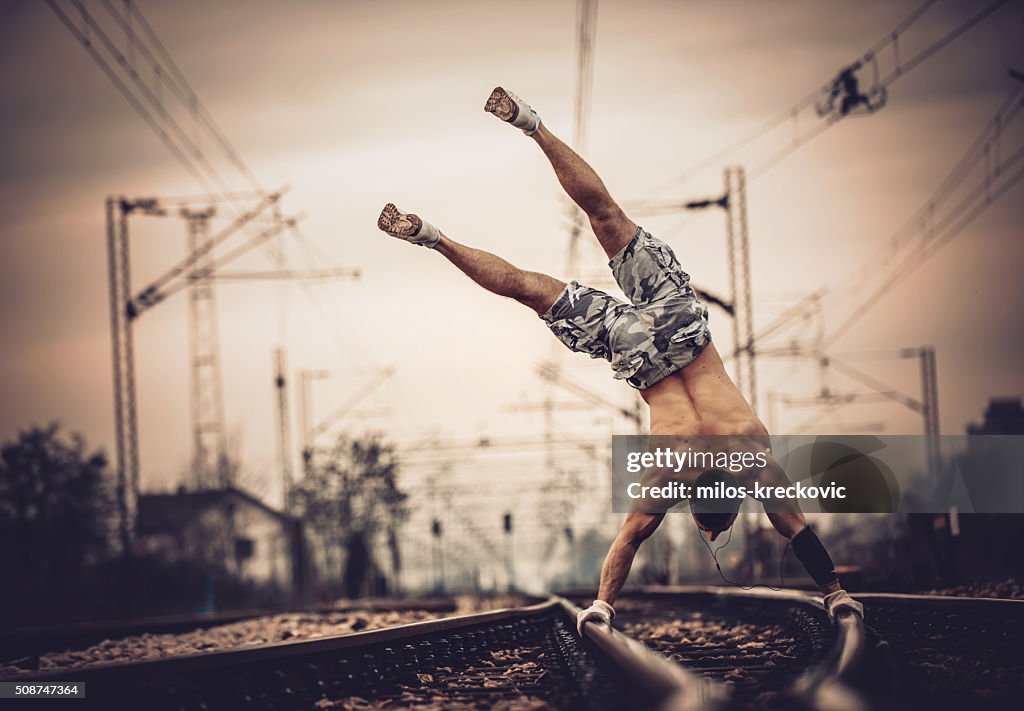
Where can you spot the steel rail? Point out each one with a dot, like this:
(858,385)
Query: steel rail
(964,604)
(681,690)
(35,641)
(273,651)
(896,656)
(819,687)
(397,653)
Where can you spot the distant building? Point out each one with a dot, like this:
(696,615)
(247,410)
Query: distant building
(979,546)
(1003,416)
(226,529)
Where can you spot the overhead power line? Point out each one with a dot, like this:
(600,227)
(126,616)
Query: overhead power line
(126,49)
(150,96)
(129,52)
(884,62)
(995,168)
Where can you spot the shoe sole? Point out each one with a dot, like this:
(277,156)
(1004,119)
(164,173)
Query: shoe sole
(502,105)
(398,224)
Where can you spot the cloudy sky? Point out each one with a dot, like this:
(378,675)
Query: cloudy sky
(354,104)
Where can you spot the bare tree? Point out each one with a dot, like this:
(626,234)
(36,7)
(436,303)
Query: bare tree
(348,496)
(55,508)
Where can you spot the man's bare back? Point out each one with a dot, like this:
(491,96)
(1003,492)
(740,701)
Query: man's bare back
(699,399)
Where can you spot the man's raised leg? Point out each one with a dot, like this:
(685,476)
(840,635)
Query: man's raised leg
(612,227)
(533,289)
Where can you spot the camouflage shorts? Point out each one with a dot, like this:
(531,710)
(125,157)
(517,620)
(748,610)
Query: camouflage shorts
(662,330)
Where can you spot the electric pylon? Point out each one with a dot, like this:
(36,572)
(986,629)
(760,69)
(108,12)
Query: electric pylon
(210,462)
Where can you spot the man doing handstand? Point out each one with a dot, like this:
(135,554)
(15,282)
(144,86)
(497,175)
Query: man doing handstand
(659,343)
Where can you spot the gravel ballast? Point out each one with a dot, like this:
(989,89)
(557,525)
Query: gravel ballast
(238,635)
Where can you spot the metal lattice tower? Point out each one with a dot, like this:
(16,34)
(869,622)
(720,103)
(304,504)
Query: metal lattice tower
(739,281)
(209,463)
(122,314)
(586,27)
(128,51)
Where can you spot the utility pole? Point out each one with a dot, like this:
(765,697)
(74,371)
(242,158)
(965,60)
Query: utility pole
(586,29)
(930,408)
(740,306)
(210,462)
(436,532)
(306,394)
(284,431)
(510,562)
(122,314)
(739,282)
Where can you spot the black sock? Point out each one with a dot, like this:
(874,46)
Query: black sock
(809,550)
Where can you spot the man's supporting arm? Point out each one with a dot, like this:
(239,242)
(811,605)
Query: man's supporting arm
(635,530)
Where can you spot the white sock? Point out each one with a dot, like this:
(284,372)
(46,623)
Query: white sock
(428,236)
(527,119)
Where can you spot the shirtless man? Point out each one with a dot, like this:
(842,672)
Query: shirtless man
(659,343)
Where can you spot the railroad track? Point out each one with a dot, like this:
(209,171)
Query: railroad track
(527,657)
(731,650)
(941,652)
(771,649)
(766,649)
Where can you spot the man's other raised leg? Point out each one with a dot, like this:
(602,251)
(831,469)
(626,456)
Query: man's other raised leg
(612,227)
(533,289)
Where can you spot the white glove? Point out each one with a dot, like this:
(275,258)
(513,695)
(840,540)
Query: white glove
(841,600)
(600,611)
